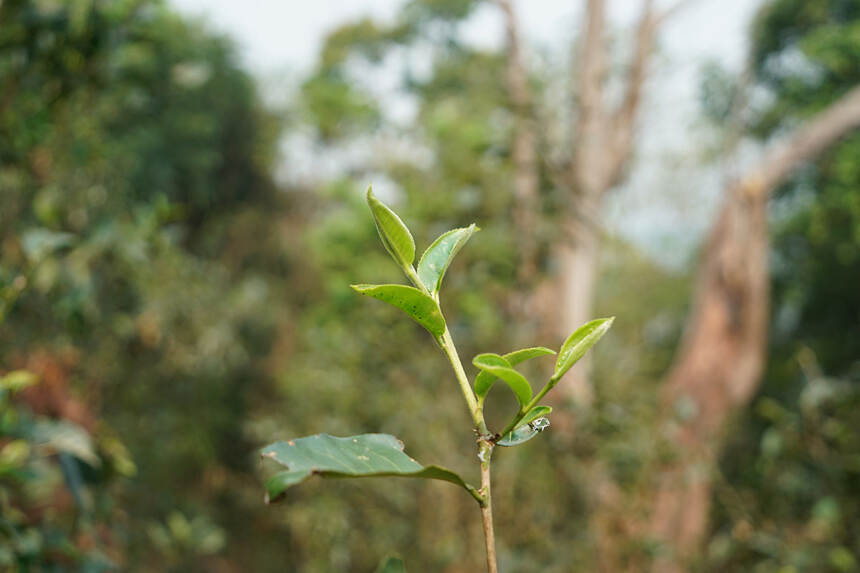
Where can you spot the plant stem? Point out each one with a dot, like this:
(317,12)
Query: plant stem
(485,445)
(485,448)
(487,508)
(513,424)
(413,277)
(447,344)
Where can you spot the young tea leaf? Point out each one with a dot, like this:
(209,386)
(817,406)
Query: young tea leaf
(525,431)
(534,414)
(410,300)
(519,356)
(484,380)
(366,455)
(395,236)
(500,368)
(578,343)
(438,256)
(517,436)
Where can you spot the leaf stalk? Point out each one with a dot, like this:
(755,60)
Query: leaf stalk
(525,409)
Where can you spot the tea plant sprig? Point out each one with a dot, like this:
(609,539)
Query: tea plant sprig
(379,455)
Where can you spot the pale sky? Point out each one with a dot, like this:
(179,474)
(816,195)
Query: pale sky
(663,205)
(274,35)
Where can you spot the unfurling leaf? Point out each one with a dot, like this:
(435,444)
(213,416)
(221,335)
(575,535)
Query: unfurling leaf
(438,256)
(410,300)
(500,368)
(534,414)
(395,235)
(529,426)
(484,380)
(366,455)
(578,343)
(519,435)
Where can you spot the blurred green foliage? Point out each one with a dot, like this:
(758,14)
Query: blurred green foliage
(789,494)
(139,251)
(179,309)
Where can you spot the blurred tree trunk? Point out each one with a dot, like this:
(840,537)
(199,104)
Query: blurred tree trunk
(524,156)
(601,151)
(720,361)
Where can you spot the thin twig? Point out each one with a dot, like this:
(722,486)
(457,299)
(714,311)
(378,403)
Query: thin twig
(487,511)
(485,445)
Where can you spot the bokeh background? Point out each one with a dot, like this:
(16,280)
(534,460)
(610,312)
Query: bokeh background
(181,215)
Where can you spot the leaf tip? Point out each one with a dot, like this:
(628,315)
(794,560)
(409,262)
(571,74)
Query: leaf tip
(489,359)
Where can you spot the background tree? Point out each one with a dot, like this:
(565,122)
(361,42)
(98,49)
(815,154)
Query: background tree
(157,280)
(720,361)
(794,481)
(138,250)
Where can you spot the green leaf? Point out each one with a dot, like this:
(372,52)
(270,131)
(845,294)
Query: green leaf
(500,368)
(484,380)
(534,414)
(525,431)
(517,436)
(395,236)
(410,300)
(438,256)
(391,565)
(366,455)
(578,343)
(519,356)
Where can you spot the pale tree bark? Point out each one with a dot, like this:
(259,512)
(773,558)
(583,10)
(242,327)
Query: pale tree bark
(720,361)
(602,149)
(523,150)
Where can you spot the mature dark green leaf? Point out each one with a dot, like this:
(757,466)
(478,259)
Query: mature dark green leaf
(366,455)
(499,368)
(578,343)
(484,380)
(410,300)
(391,565)
(438,256)
(395,236)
